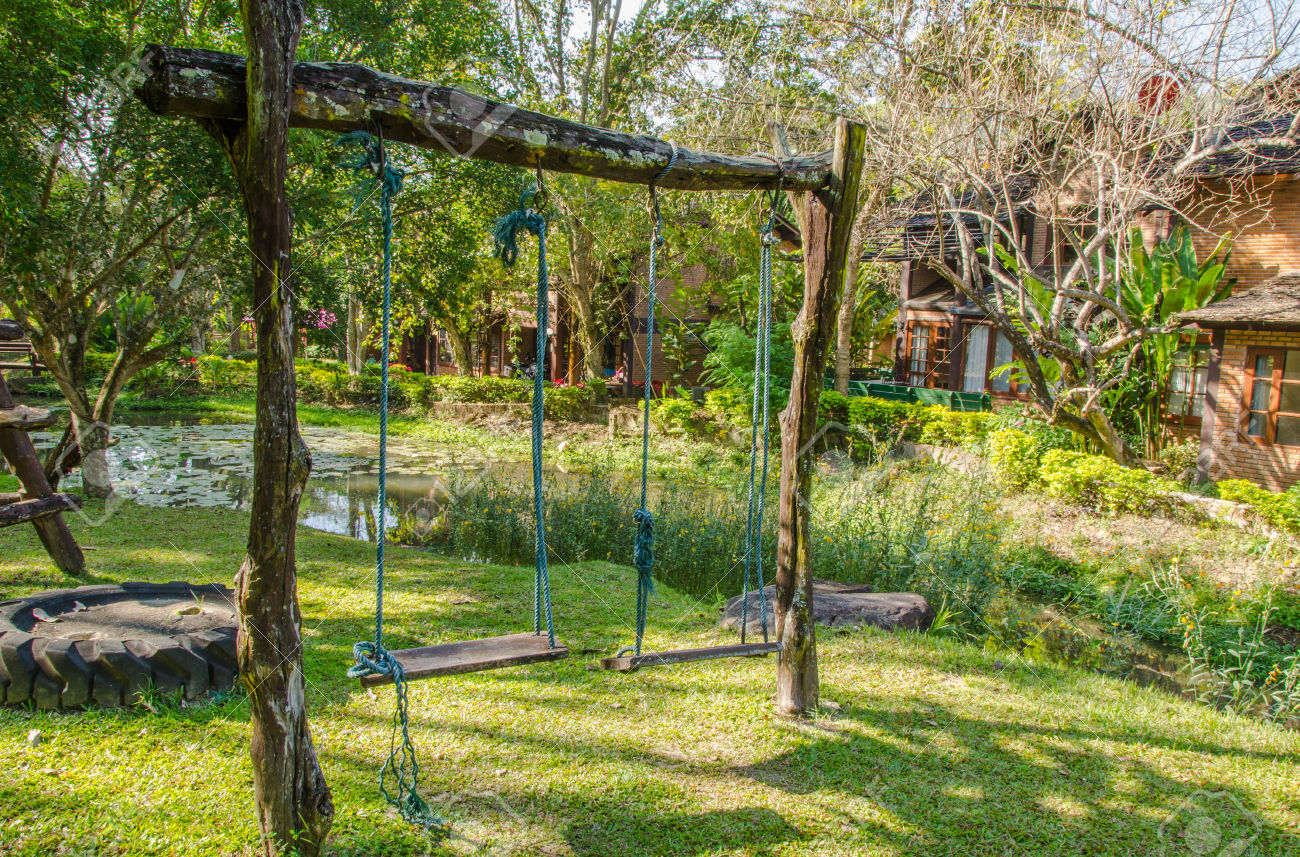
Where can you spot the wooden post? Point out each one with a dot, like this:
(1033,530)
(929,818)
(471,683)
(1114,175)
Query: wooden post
(826,224)
(16,448)
(294,806)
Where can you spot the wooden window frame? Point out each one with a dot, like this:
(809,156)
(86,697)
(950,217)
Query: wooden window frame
(937,332)
(1274,410)
(1200,343)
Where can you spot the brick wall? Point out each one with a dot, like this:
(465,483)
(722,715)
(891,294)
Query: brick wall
(1263,217)
(1274,467)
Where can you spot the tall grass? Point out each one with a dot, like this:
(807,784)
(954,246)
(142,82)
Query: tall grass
(893,527)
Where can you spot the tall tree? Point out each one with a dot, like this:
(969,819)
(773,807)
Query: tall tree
(111,225)
(295,807)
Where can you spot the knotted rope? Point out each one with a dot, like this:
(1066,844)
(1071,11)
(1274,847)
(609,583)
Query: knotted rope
(371,657)
(763,373)
(505,237)
(643,543)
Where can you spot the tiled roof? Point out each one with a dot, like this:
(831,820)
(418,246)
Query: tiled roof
(913,234)
(1264,160)
(1275,304)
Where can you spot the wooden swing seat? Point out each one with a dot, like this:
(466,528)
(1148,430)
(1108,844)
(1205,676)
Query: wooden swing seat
(468,656)
(631,663)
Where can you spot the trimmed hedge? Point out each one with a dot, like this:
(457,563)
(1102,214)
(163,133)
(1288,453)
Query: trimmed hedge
(1278,510)
(912,421)
(1101,484)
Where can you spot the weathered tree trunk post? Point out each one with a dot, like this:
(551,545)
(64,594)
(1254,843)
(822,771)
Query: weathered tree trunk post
(294,806)
(826,224)
(848,315)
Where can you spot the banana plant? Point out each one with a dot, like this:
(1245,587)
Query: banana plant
(1153,287)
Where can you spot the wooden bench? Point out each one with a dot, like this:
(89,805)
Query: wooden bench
(19,354)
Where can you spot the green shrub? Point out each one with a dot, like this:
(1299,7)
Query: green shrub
(945,427)
(1181,457)
(1278,510)
(834,407)
(1014,457)
(321,386)
(226,376)
(458,388)
(729,405)
(884,419)
(676,416)
(1098,483)
(567,403)
(97,365)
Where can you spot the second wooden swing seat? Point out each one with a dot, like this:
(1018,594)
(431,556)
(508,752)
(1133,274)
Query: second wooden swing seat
(632,658)
(631,663)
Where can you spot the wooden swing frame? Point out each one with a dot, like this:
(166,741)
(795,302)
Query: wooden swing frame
(213,88)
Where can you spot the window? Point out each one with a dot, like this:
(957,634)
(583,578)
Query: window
(920,353)
(927,355)
(975,372)
(1272,412)
(1186,394)
(1003,354)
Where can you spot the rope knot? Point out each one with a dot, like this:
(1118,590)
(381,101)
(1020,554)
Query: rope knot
(505,233)
(643,548)
(371,659)
(370,158)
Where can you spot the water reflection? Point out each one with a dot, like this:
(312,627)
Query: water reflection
(206,466)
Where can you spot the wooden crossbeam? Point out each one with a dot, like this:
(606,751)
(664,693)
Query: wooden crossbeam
(630,663)
(24,418)
(347,97)
(34,510)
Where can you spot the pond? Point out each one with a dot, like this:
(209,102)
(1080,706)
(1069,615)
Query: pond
(204,466)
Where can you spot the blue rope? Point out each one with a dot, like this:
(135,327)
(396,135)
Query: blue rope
(505,236)
(762,389)
(372,658)
(643,542)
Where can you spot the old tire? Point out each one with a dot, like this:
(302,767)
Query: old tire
(55,672)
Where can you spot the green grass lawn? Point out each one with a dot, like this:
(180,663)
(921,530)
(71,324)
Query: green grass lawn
(926,746)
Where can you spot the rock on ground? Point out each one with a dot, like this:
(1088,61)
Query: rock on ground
(840,604)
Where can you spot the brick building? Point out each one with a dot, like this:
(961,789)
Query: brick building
(686,306)
(1236,382)
(1250,426)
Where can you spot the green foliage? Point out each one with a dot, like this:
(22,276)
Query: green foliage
(466,388)
(922,530)
(1099,483)
(1153,288)
(1014,457)
(886,421)
(675,415)
(1278,510)
(730,405)
(227,376)
(1180,458)
(730,362)
(945,427)
(568,402)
